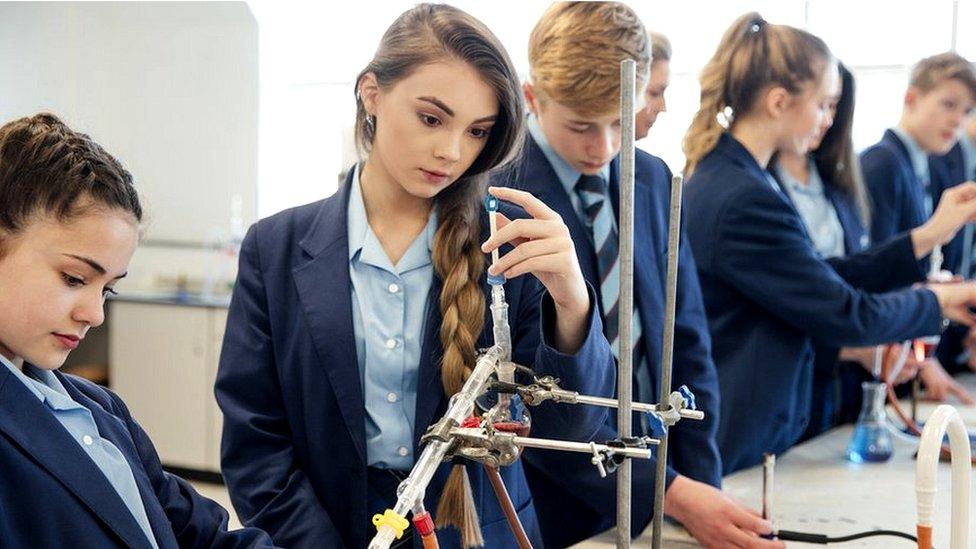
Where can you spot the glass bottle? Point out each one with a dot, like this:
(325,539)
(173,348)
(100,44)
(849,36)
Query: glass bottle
(871,442)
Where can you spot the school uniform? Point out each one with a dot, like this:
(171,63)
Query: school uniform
(832,219)
(958,165)
(300,442)
(905,185)
(769,297)
(77,471)
(573,502)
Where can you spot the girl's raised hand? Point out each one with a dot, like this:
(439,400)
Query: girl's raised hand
(544,248)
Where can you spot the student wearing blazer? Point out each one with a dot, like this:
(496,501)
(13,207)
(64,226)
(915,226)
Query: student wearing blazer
(826,188)
(903,171)
(573,141)
(338,355)
(957,354)
(907,177)
(55,493)
(76,470)
(900,200)
(768,294)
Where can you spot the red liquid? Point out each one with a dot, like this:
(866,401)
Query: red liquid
(516,427)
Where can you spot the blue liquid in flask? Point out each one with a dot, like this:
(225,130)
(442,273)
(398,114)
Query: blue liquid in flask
(871,442)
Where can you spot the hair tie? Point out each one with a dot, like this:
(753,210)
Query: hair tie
(725,117)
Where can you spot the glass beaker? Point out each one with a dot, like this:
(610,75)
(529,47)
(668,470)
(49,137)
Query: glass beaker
(871,442)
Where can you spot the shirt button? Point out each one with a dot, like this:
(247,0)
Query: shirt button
(391,343)
(393,288)
(391,397)
(87,440)
(403,451)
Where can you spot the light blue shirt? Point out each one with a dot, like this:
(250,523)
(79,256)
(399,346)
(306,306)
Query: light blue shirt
(816,210)
(79,423)
(920,163)
(567,175)
(389,308)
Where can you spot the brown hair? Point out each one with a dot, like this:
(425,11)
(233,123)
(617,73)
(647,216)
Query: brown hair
(575,51)
(751,56)
(835,157)
(932,71)
(46,168)
(421,35)
(660,47)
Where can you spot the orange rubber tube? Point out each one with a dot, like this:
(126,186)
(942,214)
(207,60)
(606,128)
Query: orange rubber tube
(924,535)
(430,542)
(506,503)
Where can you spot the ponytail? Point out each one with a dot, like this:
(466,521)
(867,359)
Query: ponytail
(751,56)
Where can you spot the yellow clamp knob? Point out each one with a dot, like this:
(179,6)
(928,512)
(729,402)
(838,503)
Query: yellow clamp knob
(393,520)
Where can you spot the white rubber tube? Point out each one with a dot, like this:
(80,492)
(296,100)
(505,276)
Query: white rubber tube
(944,418)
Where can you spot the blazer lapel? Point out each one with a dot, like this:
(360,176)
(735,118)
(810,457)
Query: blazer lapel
(32,426)
(325,291)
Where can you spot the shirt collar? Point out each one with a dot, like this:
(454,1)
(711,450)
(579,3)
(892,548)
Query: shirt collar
(918,157)
(364,243)
(567,175)
(23,379)
(813,186)
(43,384)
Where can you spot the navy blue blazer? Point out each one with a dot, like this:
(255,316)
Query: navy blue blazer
(769,297)
(294,450)
(573,503)
(955,165)
(898,197)
(836,384)
(951,347)
(53,495)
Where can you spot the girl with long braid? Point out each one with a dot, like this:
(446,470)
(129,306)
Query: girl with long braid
(355,318)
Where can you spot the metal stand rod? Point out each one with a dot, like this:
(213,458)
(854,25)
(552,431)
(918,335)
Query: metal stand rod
(769,463)
(635,406)
(582,447)
(625,371)
(550,444)
(674,233)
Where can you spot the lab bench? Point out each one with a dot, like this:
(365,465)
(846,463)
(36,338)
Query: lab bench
(818,491)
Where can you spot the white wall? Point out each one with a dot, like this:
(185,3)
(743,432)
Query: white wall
(171,89)
(312,51)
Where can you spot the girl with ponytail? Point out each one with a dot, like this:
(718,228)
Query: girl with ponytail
(354,319)
(769,295)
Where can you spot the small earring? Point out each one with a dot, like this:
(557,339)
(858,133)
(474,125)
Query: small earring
(370,123)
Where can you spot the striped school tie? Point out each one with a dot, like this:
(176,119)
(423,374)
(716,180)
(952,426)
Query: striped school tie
(592,192)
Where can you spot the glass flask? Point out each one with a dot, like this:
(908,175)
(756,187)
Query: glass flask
(871,442)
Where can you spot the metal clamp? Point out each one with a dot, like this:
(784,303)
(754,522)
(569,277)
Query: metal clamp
(605,457)
(681,403)
(546,388)
(439,431)
(492,448)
